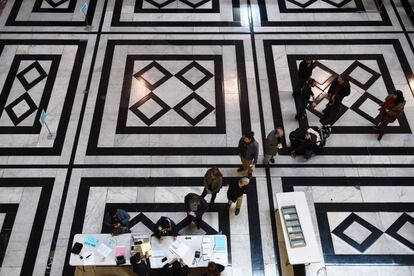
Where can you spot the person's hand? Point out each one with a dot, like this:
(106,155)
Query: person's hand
(313,105)
(279,146)
(146,255)
(386,110)
(175,238)
(161,238)
(117,225)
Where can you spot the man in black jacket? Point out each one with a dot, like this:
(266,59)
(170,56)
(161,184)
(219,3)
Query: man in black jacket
(304,73)
(196,206)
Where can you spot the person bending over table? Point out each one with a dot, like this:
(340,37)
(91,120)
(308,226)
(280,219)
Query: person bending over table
(196,206)
(141,264)
(177,268)
(117,221)
(214,269)
(165,227)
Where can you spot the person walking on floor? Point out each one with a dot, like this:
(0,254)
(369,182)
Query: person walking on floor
(303,99)
(236,191)
(213,180)
(389,111)
(196,206)
(304,73)
(248,151)
(273,144)
(339,89)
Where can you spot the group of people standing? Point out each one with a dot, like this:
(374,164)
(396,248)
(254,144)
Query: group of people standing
(389,110)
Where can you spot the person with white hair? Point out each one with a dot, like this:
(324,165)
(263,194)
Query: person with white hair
(236,191)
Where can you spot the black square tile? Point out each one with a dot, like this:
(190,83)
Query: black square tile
(396,226)
(364,97)
(147,83)
(149,121)
(30,84)
(194,86)
(13,116)
(363,246)
(194,96)
(365,86)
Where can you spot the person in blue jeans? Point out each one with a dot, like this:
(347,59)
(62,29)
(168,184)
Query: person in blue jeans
(117,220)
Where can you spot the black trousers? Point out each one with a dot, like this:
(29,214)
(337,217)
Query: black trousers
(213,195)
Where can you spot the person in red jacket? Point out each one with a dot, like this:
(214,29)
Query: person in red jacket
(389,111)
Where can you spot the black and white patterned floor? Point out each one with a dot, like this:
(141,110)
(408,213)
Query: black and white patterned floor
(143,96)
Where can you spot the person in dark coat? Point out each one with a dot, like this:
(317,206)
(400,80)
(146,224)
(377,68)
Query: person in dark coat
(177,268)
(248,150)
(339,89)
(165,227)
(213,180)
(272,145)
(196,206)
(303,99)
(236,191)
(389,111)
(214,269)
(116,221)
(304,73)
(141,264)
(304,141)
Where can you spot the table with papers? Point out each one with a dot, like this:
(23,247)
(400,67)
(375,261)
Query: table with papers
(211,247)
(102,249)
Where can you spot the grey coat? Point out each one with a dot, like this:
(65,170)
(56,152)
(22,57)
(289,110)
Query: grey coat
(271,143)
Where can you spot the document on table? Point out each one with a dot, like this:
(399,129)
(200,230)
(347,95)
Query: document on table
(179,248)
(104,250)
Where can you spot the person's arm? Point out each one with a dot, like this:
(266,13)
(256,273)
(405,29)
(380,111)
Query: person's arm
(174,229)
(239,148)
(123,216)
(107,220)
(256,153)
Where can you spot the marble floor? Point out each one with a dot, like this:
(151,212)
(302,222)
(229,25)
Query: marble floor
(143,96)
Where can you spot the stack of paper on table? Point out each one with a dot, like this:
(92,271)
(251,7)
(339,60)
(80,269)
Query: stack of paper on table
(143,248)
(120,251)
(179,248)
(206,251)
(219,243)
(104,250)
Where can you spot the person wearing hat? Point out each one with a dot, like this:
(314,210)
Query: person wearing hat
(213,180)
(196,206)
(165,227)
(248,151)
(236,191)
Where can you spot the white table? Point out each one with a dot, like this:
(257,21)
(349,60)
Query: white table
(99,260)
(161,249)
(309,253)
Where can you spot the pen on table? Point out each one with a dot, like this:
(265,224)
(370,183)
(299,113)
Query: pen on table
(88,256)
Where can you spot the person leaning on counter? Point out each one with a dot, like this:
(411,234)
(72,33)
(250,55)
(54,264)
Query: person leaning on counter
(141,264)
